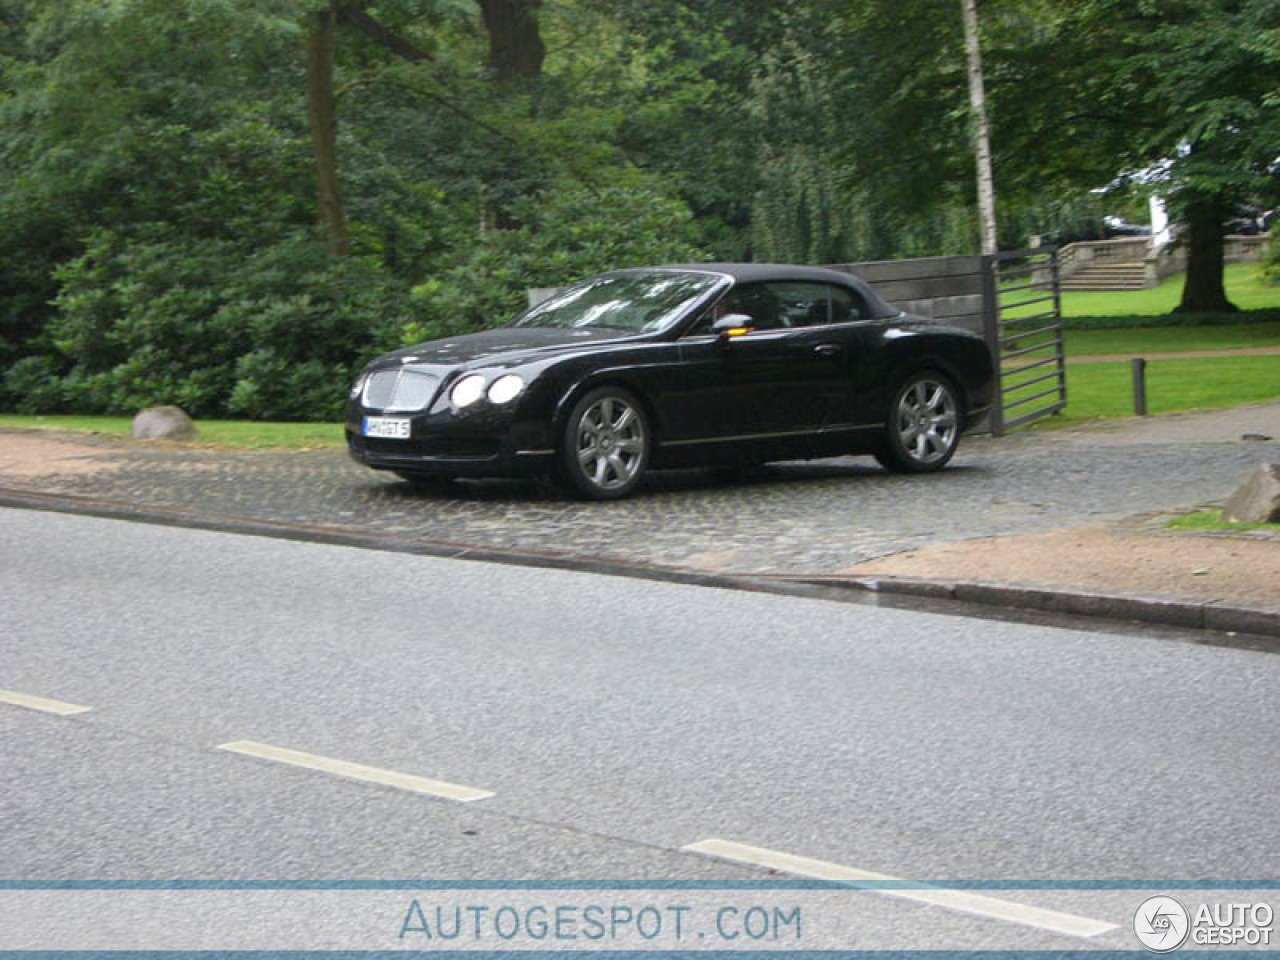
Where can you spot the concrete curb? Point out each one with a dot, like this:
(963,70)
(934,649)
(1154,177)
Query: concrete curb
(1213,615)
(1146,608)
(396,543)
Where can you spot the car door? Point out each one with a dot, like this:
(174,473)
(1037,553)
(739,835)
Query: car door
(788,378)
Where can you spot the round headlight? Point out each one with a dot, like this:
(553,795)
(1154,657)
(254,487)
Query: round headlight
(467,390)
(359,384)
(506,389)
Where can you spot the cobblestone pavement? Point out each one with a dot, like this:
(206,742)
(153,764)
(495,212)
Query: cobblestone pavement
(804,517)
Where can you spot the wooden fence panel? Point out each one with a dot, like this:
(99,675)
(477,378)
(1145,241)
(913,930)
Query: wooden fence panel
(946,288)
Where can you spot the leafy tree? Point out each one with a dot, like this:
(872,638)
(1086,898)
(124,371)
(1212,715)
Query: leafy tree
(98,102)
(798,212)
(176,176)
(516,50)
(684,91)
(155,180)
(159,165)
(562,238)
(1186,85)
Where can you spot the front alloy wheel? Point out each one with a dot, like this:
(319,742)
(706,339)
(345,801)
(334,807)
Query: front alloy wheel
(923,425)
(606,444)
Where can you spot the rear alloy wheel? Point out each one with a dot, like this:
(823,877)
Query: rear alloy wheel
(606,444)
(922,426)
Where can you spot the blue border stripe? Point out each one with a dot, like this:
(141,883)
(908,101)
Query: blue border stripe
(780,883)
(623,954)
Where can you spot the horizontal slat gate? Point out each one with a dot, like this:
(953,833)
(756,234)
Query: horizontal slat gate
(1024,332)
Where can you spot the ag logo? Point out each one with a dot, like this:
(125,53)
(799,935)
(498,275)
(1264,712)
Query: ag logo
(1161,924)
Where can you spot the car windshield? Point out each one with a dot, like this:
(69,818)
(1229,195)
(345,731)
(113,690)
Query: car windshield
(635,302)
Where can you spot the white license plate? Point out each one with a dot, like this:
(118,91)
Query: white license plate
(392,428)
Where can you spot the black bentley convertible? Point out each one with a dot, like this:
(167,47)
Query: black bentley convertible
(676,366)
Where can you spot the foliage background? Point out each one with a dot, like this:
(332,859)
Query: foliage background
(158,179)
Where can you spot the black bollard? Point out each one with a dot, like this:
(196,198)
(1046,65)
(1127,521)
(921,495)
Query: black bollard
(1139,386)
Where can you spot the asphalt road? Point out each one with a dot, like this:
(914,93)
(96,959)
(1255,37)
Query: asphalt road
(615,721)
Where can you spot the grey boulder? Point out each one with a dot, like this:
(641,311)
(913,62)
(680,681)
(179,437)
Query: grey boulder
(162,423)
(1257,500)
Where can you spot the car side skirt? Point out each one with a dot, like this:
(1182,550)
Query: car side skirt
(749,437)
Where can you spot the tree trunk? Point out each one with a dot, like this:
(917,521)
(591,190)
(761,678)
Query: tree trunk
(515,45)
(1204,291)
(324,129)
(981,135)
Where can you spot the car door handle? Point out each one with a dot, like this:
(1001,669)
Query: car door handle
(827,349)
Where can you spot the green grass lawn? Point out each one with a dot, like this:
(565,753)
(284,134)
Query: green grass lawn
(220,433)
(1245,285)
(1212,520)
(1105,390)
(1140,340)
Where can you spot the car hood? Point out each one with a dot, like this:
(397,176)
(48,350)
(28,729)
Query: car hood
(505,346)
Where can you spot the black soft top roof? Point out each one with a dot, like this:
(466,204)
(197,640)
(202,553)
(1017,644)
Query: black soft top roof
(762,272)
(756,272)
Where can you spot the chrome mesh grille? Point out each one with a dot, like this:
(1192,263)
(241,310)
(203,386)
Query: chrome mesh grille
(399,390)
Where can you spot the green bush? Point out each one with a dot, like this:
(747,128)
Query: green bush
(37,386)
(270,387)
(233,320)
(215,326)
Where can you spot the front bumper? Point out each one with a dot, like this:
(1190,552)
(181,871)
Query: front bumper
(447,444)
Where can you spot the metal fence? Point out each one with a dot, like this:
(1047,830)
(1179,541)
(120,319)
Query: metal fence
(1023,326)
(1011,298)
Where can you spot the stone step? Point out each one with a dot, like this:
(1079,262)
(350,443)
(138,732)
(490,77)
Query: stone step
(1102,287)
(1086,283)
(1108,275)
(1078,281)
(1109,272)
(1105,276)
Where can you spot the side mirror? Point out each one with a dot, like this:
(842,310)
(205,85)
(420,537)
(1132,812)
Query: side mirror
(733,325)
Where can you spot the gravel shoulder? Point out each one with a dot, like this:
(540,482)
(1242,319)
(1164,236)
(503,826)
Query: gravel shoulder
(1193,566)
(28,456)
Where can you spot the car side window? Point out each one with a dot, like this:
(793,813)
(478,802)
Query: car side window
(781,305)
(847,306)
(757,301)
(753,299)
(817,304)
(804,304)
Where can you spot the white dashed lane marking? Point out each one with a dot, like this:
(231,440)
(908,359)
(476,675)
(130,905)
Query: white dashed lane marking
(357,771)
(963,901)
(43,704)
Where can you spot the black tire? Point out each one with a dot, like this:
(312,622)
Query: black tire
(606,443)
(922,424)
